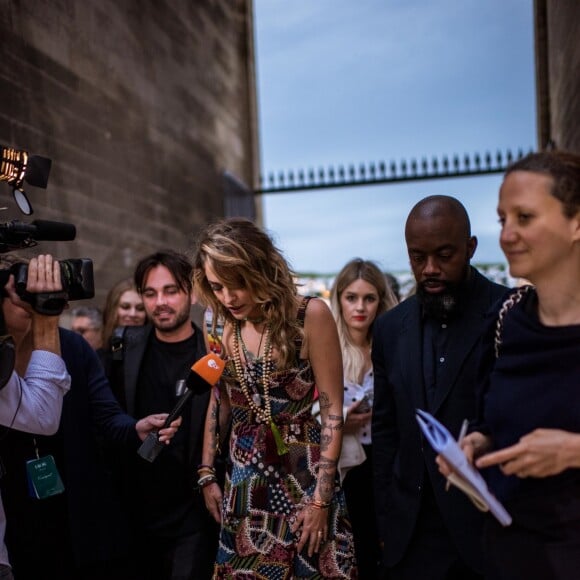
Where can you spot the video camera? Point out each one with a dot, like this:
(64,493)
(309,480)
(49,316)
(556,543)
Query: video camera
(17,166)
(76,274)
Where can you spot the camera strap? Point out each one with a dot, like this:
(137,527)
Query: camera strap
(116,343)
(48,303)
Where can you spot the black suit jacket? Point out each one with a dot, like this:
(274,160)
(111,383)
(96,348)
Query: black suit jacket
(135,341)
(89,513)
(188,501)
(402,460)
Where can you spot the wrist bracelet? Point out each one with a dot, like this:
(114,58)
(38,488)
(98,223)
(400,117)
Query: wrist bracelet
(202,465)
(206,480)
(319,504)
(205,469)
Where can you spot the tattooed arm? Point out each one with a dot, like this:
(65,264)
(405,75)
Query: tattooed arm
(323,350)
(212,494)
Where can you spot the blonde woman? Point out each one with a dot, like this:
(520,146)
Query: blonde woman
(282,511)
(123,307)
(358,296)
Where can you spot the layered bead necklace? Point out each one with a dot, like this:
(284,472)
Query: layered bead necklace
(264,414)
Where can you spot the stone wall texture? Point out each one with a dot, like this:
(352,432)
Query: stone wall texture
(141,105)
(558,66)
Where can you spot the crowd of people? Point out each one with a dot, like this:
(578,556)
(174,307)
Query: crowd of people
(306,460)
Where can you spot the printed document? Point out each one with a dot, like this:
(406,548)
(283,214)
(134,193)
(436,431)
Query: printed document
(465,476)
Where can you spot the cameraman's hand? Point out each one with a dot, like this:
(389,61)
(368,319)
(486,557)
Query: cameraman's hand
(43,276)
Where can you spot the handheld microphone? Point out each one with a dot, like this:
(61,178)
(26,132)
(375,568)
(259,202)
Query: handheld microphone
(204,374)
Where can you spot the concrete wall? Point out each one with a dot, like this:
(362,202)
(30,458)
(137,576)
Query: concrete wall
(141,105)
(558,72)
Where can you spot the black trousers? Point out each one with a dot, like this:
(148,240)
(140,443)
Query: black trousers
(431,554)
(188,557)
(543,540)
(358,490)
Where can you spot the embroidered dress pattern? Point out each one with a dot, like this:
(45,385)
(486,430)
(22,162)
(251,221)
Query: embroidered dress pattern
(264,490)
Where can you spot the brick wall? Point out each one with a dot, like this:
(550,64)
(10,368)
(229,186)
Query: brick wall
(141,105)
(559,26)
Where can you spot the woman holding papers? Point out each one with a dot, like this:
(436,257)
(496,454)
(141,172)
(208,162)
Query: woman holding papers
(358,296)
(530,422)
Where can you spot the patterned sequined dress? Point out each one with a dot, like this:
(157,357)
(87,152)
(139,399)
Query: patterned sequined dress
(264,490)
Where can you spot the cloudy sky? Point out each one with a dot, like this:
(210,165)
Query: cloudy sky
(344,82)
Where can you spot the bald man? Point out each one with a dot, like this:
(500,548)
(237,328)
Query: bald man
(425,357)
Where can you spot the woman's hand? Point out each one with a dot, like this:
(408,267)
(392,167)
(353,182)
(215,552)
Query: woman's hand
(542,453)
(473,445)
(355,419)
(212,496)
(312,523)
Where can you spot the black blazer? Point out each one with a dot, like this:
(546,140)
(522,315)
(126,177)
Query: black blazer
(135,341)
(402,460)
(90,508)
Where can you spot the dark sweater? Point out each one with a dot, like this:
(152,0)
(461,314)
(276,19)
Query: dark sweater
(535,383)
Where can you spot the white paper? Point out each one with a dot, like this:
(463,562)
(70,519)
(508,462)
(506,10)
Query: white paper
(465,476)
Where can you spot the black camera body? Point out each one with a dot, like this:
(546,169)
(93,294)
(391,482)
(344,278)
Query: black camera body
(76,276)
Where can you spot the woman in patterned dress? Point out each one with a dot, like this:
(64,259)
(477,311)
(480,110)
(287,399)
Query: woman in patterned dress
(282,512)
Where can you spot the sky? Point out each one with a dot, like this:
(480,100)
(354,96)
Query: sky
(351,82)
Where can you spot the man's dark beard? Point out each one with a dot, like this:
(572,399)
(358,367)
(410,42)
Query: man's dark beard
(444,305)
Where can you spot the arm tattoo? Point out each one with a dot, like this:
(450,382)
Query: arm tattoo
(326,475)
(330,424)
(213,425)
(324,401)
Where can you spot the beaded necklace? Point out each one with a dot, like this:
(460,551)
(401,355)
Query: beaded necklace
(263,414)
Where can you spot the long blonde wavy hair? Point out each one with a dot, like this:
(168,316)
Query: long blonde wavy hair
(358,269)
(243,256)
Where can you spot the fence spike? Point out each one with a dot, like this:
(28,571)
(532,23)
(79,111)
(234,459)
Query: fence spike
(488,160)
